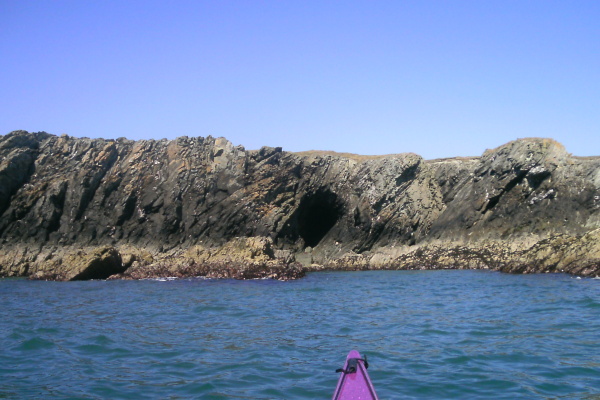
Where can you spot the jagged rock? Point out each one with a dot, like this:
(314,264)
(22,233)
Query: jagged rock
(176,197)
(578,255)
(215,270)
(241,258)
(82,264)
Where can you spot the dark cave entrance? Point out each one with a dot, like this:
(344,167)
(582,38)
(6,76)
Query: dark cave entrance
(317,214)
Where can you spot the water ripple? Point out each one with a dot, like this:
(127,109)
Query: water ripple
(428,334)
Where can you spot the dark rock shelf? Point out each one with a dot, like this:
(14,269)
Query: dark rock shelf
(78,208)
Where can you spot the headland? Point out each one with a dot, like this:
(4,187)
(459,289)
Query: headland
(78,208)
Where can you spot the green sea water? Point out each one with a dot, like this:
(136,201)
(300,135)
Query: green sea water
(428,335)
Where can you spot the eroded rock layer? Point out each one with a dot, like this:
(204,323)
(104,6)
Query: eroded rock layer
(138,208)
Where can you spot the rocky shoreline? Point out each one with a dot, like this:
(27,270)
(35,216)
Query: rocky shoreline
(242,258)
(558,254)
(77,208)
(255,258)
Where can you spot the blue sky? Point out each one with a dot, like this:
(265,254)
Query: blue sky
(437,78)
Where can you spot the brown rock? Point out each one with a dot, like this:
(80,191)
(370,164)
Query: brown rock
(207,201)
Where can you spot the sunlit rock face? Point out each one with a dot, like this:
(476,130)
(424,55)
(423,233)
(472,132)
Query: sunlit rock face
(318,207)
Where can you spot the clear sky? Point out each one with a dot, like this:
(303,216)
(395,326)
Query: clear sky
(437,78)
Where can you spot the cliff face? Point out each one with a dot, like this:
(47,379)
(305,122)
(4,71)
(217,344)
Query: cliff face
(168,196)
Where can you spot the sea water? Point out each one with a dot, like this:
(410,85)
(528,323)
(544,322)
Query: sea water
(427,334)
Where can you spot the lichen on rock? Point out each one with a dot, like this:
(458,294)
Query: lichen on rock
(199,205)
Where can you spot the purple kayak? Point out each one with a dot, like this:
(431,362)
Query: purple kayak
(354,382)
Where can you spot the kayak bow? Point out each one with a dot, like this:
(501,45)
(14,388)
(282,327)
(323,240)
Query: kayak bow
(354,382)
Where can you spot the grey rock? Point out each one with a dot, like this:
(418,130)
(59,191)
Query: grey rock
(163,197)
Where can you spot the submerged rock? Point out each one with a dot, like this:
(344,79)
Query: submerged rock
(181,202)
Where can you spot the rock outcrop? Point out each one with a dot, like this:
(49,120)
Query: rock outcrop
(75,208)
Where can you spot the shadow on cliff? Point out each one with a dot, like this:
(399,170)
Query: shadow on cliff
(315,216)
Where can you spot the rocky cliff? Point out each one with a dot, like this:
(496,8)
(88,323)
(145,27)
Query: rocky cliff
(77,208)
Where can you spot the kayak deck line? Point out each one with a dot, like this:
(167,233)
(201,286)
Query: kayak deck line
(354,382)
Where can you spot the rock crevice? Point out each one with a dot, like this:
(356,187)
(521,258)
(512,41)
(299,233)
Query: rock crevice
(321,208)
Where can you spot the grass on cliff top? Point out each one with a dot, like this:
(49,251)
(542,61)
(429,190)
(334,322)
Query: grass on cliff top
(352,156)
(360,157)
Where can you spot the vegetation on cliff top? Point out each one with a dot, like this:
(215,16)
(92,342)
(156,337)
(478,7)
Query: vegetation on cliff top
(319,208)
